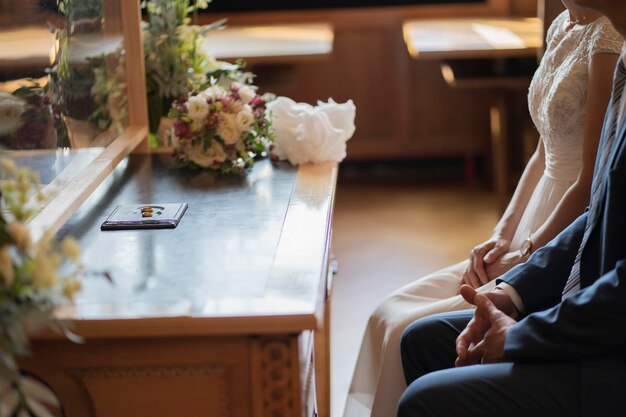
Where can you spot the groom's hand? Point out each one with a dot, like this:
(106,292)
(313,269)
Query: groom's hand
(483,338)
(491,348)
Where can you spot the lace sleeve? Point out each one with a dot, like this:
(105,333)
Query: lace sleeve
(605,39)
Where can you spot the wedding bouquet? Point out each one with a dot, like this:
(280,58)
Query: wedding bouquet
(30,287)
(223,127)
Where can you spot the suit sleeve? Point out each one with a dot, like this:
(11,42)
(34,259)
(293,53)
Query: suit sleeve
(540,280)
(590,322)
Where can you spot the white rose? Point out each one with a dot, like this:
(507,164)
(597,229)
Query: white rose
(228,129)
(245,118)
(11,109)
(209,157)
(246,94)
(197,107)
(214,92)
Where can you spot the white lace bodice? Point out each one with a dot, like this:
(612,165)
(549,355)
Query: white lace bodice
(558,91)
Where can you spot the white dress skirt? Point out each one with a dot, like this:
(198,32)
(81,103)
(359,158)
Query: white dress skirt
(556,101)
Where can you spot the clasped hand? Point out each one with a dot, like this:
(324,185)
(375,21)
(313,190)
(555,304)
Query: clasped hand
(482,341)
(488,261)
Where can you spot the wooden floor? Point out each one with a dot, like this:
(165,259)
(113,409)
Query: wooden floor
(387,234)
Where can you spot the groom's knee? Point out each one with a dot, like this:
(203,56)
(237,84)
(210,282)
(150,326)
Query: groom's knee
(421,399)
(416,348)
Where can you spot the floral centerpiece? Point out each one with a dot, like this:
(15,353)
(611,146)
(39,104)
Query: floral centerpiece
(208,110)
(30,287)
(223,127)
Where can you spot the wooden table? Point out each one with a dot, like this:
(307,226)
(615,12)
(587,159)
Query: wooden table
(28,50)
(495,39)
(272,43)
(472,38)
(226,315)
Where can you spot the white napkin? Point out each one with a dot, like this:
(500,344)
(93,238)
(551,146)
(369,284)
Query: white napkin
(311,134)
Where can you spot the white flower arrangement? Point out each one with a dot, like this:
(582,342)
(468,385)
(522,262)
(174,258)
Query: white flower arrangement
(223,128)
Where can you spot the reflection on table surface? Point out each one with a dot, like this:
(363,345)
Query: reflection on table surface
(54,164)
(56,168)
(472,37)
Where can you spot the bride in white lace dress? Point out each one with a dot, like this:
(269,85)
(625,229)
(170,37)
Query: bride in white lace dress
(567,99)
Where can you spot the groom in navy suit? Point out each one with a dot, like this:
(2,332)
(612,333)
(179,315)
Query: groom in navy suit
(550,340)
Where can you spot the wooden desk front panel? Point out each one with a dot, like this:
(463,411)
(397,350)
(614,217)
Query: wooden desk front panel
(265,376)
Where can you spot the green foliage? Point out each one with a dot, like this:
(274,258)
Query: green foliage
(74,10)
(109,91)
(175,58)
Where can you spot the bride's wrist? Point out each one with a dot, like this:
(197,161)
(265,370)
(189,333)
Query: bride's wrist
(498,235)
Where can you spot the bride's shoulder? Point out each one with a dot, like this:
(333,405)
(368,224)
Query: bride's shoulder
(603,37)
(557,27)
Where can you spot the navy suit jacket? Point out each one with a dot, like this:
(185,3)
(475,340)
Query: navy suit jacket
(588,327)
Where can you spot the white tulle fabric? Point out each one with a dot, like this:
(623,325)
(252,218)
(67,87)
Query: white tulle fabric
(311,134)
(556,100)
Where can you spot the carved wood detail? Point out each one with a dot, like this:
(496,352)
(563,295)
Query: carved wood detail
(149,371)
(276,366)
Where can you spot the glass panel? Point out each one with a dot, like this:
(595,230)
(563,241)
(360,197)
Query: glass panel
(62,85)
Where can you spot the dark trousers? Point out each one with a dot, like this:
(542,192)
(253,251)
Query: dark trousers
(437,389)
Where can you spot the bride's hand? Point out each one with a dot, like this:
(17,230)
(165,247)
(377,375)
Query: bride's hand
(486,253)
(503,264)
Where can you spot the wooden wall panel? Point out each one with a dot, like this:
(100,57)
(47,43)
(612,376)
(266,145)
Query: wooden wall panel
(451,121)
(524,7)
(404,107)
